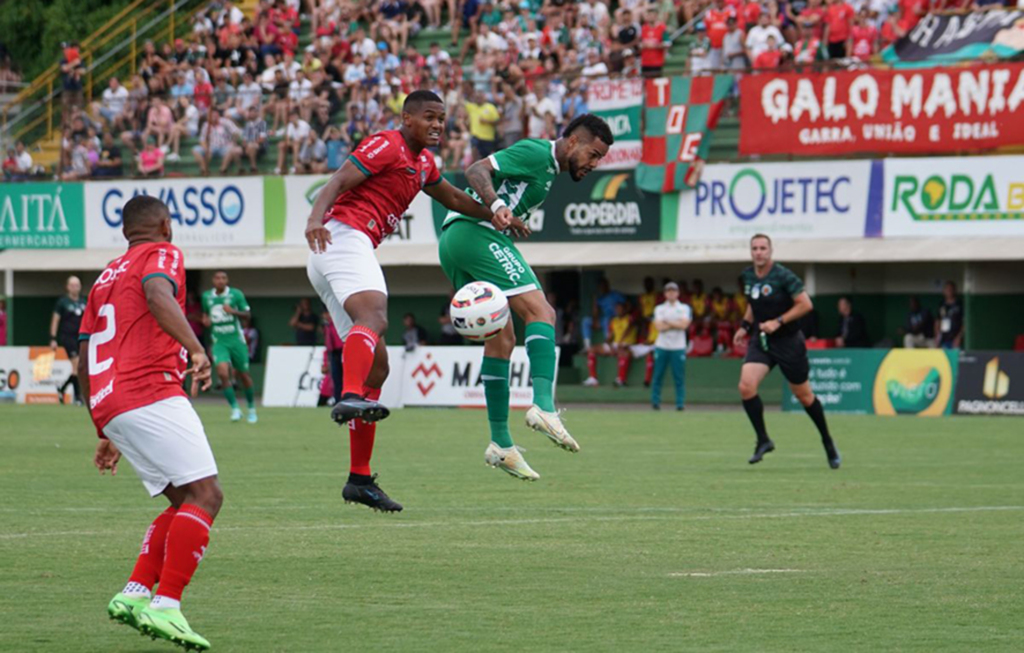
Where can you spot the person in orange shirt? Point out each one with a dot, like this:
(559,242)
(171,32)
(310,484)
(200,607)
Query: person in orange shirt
(716,24)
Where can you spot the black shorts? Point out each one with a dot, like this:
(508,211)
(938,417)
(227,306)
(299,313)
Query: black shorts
(70,344)
(788,352)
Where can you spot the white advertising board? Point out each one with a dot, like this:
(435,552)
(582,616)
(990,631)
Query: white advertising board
(293,376)
(205,212)
(33,374)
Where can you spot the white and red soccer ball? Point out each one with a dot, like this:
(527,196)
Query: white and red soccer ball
(479,311)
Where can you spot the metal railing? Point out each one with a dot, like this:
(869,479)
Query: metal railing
(32,115)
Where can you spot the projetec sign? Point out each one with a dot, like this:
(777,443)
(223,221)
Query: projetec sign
(603,206)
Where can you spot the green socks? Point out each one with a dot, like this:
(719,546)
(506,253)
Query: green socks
(250,396)
(540,347)
(494,373)
(229,394)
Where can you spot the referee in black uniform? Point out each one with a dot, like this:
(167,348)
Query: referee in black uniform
(67,317)
(776,300)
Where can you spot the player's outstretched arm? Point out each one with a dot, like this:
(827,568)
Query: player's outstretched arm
(479,177)
(164,307)
(457,200)
(345,179)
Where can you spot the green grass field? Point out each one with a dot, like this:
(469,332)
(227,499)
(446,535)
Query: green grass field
(657,537)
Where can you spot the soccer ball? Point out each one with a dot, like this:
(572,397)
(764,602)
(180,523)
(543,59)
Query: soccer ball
(479,311)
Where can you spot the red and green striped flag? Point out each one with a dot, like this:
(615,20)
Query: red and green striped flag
(680,114)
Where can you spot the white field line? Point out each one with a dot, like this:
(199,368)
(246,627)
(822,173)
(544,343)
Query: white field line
(387,523)
(733,572)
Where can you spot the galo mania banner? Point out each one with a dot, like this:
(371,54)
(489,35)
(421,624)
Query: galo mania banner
(882,111)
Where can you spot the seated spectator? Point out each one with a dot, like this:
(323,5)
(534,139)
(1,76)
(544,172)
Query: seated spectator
(224,96)
(853,331)
(702,344)
(312,155)
(109,163)
(919,327)
(10,165)
(217,139)
(187,125)
(151,160)
(159,122)
(623,335)
(22,166)
(595,66)
(254,138)
(79,162)
(414,335)
(295,132)
(113,104)
(338,147)
(249,94)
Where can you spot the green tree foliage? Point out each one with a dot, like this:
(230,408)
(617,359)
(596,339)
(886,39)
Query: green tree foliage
(33,30)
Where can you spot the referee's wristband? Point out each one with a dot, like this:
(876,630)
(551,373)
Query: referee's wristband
(746,325)
(498,204)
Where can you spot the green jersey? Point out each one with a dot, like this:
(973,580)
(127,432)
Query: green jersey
(525,172)
(223,325)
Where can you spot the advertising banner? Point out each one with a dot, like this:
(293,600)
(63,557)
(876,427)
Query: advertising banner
(680,115)
(823,199)
(33,374)
(949,38)
(619,102)
(416,226)
(450,376)
(882,382)
(603,206)
(41,216)
(899,111)
(294,374)
(990,383)
(945,197)
(206,212)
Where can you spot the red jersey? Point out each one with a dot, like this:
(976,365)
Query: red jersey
(202,95)
(751,12)
(395,176)
(652,55)
(768,60)
(715,24)
(864,37)
(132,361)
(839,18)
(811,12)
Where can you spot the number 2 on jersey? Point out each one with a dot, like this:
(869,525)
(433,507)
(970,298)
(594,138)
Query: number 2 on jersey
(97,366)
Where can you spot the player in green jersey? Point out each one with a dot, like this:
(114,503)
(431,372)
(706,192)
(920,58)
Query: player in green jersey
(222,306)
(513,182)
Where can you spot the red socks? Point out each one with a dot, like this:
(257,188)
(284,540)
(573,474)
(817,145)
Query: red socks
(360,439)
(623,368)
(357,359)
(187,537)
(649,370)
(592,364)
(151,558)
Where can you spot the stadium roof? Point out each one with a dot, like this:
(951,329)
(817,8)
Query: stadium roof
(879,250)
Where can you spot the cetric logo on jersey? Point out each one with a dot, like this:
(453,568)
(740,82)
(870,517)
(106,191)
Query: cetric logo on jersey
(214,213)
(796,200)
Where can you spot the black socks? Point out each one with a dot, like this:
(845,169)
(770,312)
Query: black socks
(755,411)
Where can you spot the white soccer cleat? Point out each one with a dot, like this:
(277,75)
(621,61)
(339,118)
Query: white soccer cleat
(550,424)
(591,382)
(236,414)
(510,461)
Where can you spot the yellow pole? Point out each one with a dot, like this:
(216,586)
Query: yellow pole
(88,80)
(171,3)
(134,53)
(49,109)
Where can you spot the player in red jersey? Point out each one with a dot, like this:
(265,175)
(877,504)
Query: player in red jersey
(358,207)
(136,349)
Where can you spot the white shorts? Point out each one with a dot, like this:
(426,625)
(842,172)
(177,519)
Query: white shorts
(639,351)
(347,267)
(165,443)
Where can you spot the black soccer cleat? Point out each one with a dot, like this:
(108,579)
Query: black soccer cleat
(370,495)
(834,459)
(352,406)
(760,450)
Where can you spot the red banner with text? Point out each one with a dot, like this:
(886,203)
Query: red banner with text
(881,111)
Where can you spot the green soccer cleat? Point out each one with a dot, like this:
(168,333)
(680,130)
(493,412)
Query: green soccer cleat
(170,624)
(126,609)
